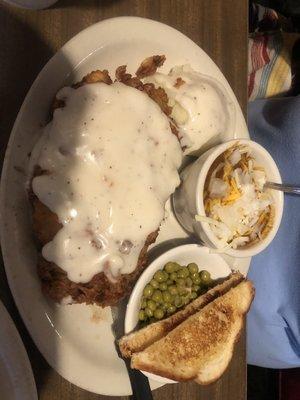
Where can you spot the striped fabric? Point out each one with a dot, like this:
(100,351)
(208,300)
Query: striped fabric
(269,63)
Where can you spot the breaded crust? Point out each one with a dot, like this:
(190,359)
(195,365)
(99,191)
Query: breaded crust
(100,290)
(149,66)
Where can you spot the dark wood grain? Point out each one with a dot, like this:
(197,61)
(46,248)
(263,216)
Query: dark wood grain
(30,38)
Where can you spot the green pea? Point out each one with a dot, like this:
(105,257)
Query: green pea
(193,267)
(180,282)
(193,295)
(188,282)
(177,266)
(180,274)
(196,288)
(148,312)
(166,276)
(184,272)
(142,316)
(159,276)
(173,290)
(205,277)
(164,306)
(154,284)
(169,267)
(171,309)
(151,304)
(159,313)
(169,282)
(173,276)
(144,303)
(181,290)
(163,286)
(148,291)
(178,301)
(167,297)
(157,296)
(196,278)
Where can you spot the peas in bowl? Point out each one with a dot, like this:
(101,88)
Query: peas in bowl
(171,288)
(186,255)
(171,281)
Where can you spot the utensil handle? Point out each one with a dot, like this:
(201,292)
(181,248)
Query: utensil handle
(140,385)
(284,188)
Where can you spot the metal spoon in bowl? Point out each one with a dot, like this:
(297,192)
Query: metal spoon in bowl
(292,189)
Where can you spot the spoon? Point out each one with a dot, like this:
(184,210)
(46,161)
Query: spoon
(292,189)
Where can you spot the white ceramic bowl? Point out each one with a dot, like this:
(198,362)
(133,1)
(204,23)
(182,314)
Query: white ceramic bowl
(184,255)
(188,198)
(32,4)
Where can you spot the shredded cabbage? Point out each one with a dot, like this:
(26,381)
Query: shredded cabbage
(237,207)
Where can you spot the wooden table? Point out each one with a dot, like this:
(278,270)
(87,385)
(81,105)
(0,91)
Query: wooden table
(29,39)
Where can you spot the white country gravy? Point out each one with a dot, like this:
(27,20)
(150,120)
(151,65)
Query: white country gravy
(202,108)
(112,163)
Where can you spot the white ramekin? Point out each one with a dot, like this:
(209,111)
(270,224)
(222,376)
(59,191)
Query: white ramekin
(188,198)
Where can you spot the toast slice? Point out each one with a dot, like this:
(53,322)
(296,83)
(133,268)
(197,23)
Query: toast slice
(139,340)
(201,347)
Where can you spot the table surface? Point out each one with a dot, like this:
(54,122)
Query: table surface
(30,38)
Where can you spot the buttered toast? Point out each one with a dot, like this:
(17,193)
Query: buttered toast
(201,347)
(144,337)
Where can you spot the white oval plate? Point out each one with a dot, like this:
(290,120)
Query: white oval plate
(16,377)
(184,255)
(77,340)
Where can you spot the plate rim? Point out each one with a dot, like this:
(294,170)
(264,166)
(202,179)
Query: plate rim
(10,148)
(10,332)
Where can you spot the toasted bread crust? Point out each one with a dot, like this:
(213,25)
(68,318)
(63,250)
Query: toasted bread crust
(199,380)
(144,337)
(201,347)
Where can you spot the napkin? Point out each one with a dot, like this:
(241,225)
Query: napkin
(269,53)
(273,339)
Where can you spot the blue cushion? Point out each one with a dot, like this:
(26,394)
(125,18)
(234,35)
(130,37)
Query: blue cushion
(273,335)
